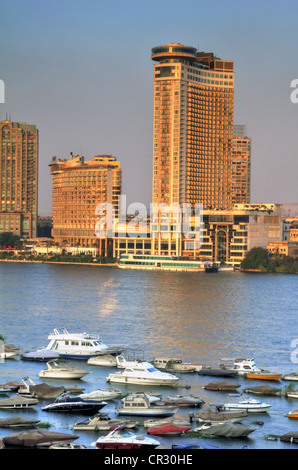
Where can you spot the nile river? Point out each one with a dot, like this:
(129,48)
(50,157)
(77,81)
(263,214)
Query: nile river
(195,316)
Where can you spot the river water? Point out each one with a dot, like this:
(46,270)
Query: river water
(198,317)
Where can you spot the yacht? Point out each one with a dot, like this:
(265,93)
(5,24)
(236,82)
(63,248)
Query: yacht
(250,405)
(138,404)
(124,440)
(242,366)
(76,345)
(143,373)
(61,372)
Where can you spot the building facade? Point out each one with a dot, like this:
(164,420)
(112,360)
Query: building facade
(192,127)
(19,178)
(79,186)
(241,166)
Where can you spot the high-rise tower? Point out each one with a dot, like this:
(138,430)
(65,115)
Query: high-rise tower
(193,127)
(18,178)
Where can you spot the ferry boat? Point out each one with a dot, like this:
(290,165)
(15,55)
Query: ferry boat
(76,345)
(159,263)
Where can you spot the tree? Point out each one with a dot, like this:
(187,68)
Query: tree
(256,258)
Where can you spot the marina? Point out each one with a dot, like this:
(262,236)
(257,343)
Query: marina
(176,316)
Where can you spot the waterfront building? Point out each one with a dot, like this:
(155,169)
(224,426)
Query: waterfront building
(226,235)
(18,178)
(241,166)
(192,127)
(79,186)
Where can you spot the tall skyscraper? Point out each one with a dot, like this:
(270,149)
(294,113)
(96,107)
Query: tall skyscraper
(192,127)
(78,187)
(241,166)
(18,178)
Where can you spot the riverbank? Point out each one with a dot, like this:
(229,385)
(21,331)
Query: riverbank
(112,265)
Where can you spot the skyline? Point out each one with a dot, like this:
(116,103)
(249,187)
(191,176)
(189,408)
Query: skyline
(83,75)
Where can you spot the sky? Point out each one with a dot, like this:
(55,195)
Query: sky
(81,71)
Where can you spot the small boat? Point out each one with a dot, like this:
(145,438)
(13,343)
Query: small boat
(67,446)
(175,365)
(9,351)
(149,423)
(250,405)
(102,394)
(222,386)
(211,267)
(184,400)
(38,438)
(217,372)
(139,405)
(242,366)
(291,436)
(226,429)
(18,403)
(66,403)
(263,375)
(293,414)
(41,355)
(264,390)
(61,372)
(105,360)
(218,416)
(18,422)
(169,429)
(292,394)
(102,422)
(293,377)
(144,373)
(4,391)
(13,385)
(117,439)
(76,345)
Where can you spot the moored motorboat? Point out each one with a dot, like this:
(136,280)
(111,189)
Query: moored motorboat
(171,429)
(219,416)
(119,439)
(66,403)
(226,429)
(263,375)
(18,403)
(4,391)
(264,390)
(139,405)
(175,365)
(54,371)
(8,351)
(38,438)
(102,394)
(18,422)
(184,400)
(105,360)
(242,366)
(220,372)
(144,373)
(222,386)
(293,414)
(291,436)
(250,405)
(149,423)
(293,377)
(41,355)
(102,422)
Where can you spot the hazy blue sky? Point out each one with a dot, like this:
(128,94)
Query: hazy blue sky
(82,72)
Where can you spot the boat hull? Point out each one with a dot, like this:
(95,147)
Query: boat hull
(249,409)
(151,411)
(257,376)
(55,375)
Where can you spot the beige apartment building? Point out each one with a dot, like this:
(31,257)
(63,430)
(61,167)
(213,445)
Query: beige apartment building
(18,178)
(241,166)
(192,127)
(79,186)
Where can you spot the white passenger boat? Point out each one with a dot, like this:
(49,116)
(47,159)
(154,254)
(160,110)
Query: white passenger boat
(159,263)
(106,360)
(242,366)
(145,374)
(138,404)
(250,405)
(102,394)
(55,371)
(119,439)
(76,345)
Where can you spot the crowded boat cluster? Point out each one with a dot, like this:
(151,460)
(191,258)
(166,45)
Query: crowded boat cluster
(140,416)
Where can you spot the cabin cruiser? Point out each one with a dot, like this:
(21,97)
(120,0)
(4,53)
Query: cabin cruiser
(143,373)
(138,404)
(66,403)
(175,364)
(18,403)
(105,360)
(102,422)
(102,394)
(117,439)
(242,366)
(61,372)
(250,405)
(76,345)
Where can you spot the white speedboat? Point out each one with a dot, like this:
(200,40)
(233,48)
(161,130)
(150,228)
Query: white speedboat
(18,403)
(138,404)
(250,405)
(242,366)
(105,360)
(293,377)
(144,373)
(61,372)
(102,394)
(76,345)
(118,439)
